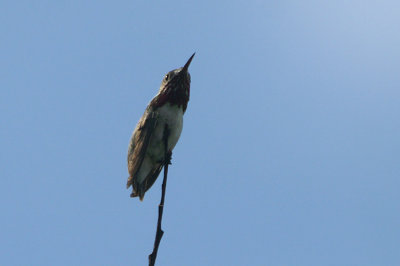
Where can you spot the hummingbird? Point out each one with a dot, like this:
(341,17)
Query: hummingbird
(158,131)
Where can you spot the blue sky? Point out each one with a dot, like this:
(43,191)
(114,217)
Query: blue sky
(289,153)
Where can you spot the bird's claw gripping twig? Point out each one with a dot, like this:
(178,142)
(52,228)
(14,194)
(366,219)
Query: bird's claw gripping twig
(168,158)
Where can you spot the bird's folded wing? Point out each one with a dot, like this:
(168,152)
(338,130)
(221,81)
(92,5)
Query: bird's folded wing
(141,139)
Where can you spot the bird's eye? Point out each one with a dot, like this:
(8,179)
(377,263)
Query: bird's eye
(166,77)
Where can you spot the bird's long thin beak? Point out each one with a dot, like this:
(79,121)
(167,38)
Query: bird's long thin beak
(186,66)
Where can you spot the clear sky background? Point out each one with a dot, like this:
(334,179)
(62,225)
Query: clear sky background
(289,153)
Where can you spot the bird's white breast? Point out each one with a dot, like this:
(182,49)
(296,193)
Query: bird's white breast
(172,115)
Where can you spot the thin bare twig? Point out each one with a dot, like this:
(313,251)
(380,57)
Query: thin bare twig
(160,232)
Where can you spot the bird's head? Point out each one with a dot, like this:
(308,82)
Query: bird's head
(175,86)
(178,79)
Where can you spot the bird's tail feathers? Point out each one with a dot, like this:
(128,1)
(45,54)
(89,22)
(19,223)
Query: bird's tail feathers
(137,190)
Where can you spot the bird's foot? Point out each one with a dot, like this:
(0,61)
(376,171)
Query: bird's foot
(168,158)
